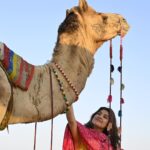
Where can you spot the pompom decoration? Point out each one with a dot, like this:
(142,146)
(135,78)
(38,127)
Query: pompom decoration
(112,68)
(111,81)
(122,101)
(120,69)
(122,86)
(120,113)
(109,99)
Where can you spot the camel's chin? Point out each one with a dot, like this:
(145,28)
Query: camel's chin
(123,33)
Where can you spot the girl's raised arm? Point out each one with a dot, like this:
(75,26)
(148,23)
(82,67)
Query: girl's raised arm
(73,125)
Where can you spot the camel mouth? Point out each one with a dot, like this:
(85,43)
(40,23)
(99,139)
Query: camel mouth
(124,27)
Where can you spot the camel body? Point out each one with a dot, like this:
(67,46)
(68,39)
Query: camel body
(79,36)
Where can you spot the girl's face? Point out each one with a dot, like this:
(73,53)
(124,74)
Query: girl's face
(100,120)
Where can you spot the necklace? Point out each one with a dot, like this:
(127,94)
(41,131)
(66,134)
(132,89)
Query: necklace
(60,83)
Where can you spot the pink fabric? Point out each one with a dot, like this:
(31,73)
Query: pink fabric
(92,139)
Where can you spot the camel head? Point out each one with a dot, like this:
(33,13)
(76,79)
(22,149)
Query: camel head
(87,28)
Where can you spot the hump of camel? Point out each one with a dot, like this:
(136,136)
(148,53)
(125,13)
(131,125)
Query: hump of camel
(26,97)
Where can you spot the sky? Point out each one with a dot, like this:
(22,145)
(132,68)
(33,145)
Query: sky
(30,29)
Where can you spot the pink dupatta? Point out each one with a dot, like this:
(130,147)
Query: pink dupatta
(90,137)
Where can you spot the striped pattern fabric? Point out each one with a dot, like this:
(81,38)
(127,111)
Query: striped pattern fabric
(19,71)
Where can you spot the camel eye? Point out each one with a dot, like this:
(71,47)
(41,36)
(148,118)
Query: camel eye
(104,19)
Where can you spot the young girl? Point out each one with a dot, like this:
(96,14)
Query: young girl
(99,133)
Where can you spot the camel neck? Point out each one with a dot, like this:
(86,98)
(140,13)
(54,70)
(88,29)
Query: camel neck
(77,62)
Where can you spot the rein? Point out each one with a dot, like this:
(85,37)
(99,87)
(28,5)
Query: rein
(52,112)
(52,106)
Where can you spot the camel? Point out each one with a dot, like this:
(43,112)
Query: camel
(79,36)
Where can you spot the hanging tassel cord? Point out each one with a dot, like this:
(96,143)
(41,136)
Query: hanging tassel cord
(52,108)
(109,99)
(110,85)
(121,88)
(35,133)
(120,107)
(52,114)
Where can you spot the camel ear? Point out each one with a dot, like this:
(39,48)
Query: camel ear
(67,12)
(83,5)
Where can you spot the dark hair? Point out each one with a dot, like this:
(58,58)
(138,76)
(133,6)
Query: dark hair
(113,133)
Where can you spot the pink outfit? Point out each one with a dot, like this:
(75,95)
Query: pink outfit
(90,137)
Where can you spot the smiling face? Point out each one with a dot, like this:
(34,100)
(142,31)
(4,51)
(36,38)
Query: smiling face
(100,120)
(87,28)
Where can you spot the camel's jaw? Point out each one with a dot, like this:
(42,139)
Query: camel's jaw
(114,25)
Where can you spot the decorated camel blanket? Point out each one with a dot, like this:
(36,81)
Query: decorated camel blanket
(18,70)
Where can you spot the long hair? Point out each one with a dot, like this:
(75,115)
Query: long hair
(113,133)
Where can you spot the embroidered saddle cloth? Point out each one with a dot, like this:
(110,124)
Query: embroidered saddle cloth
(19,71)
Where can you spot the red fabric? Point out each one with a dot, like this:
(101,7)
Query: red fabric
(5,61)
(92,139)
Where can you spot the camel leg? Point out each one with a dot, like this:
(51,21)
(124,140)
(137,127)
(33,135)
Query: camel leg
(5,93)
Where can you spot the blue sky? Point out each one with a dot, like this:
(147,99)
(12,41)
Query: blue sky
(30,29)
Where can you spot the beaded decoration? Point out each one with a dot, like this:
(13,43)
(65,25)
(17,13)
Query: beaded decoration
(68,80)
(60,83)
(122,86)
